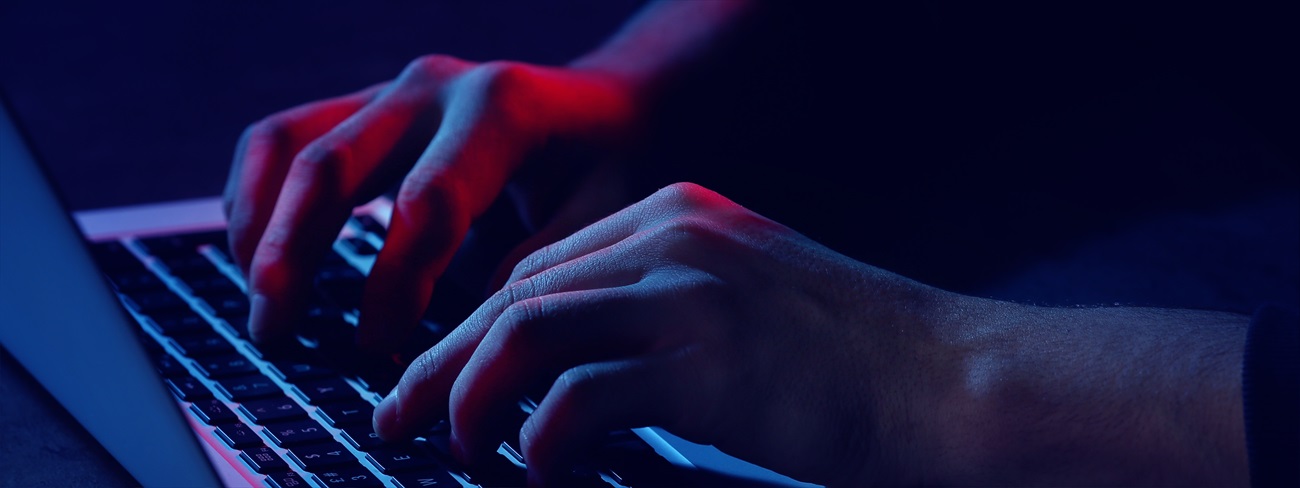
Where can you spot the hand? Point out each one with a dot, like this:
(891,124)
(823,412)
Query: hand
(689,312)
(453,133)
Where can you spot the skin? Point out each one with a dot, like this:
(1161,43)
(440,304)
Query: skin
(690,312)
(455,134)
(687,311)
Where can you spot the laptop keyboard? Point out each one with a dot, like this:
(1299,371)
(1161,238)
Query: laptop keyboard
(300,415)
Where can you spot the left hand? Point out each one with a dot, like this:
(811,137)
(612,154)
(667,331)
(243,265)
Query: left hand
(689,312)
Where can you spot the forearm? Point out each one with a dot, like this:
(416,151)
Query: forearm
(665,37)
(1108,396)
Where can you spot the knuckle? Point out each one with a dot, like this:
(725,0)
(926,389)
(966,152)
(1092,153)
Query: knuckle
(426,194)
(432,67)
(533,263)
(678,198)
(501,77)
(324,157)
(505,89)
(421,371)
(680,192)
(271,129)
(269,273)
(688,229)
(525,321)
(577,386)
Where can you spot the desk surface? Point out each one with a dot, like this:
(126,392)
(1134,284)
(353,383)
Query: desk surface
(44,445)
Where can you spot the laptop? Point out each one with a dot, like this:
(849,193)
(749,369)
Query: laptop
(133,319)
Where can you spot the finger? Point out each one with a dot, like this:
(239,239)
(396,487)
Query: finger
(421,398)
(349,164)
(262,158)
(591,400)
(455,180)
(536,339)
(663,205)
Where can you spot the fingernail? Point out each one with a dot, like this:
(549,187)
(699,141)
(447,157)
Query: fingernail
(258,316)
(386,420)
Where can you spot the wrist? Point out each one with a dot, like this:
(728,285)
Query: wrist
(1095,396)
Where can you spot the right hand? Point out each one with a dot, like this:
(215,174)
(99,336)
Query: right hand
(453,132)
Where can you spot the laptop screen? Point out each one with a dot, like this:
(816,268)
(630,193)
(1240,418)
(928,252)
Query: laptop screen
(87,354)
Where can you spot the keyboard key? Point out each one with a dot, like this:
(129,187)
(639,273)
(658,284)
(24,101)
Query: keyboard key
(237,325)
(361,246)
(223,246)
(286,434)
(229,305)
(369,224)
(213,412)
(166,246)
(239,436)
(204,344)
(347,413)
(211,237)
(326,391)
(169,367)
(440,442)
(341,272)
(380,378)
(324,320)
(190,266)
(263,460)
(343,284)
(426,478)
(331,259)
(210,286)
(585,479)
(514,421)
(150,344)
(295,372)
(225,366)
(249,387)
(188,389)
(286,479)
(350,476)
(158,302)
(180,323)
(496,471)
(362,437)
(632,462)
(114,256)
(262,412)
(318,457)
(136,280)
(399,457)
(179,244)
(377,372)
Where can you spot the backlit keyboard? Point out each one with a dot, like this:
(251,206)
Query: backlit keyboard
(300,415)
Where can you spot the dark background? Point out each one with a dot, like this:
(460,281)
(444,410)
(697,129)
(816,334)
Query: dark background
(1063,153)
(152,96)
